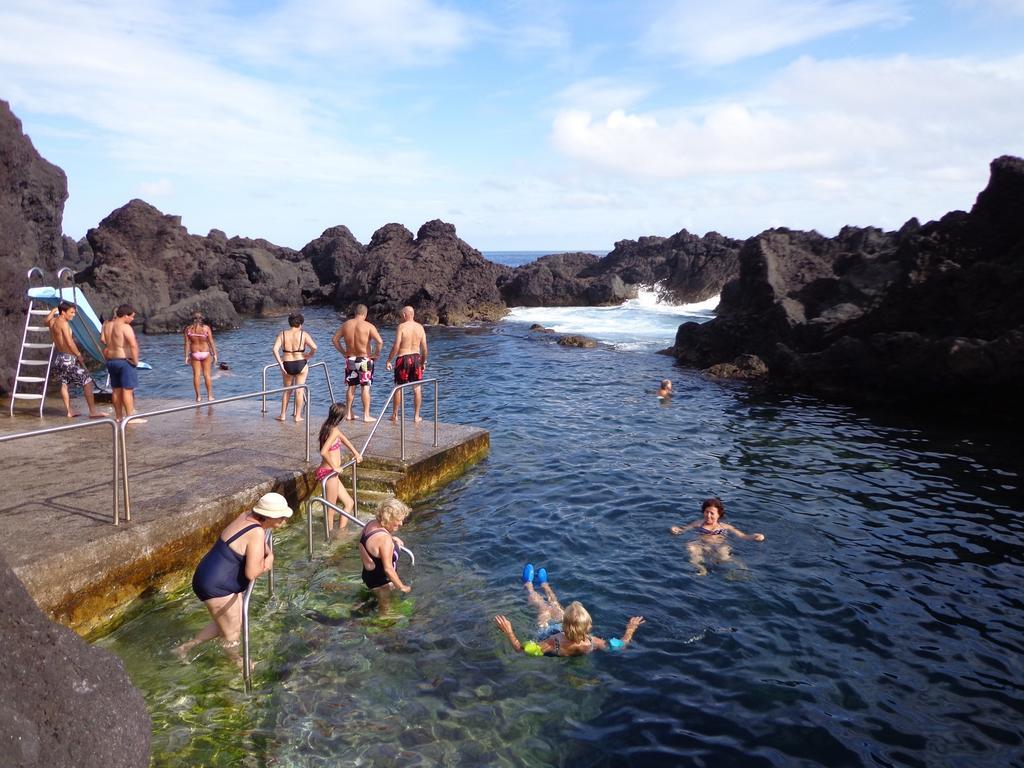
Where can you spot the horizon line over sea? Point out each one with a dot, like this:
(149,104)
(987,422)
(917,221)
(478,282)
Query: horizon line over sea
(518,258)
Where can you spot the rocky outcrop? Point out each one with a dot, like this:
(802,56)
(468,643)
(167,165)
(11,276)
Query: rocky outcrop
(63,703)
(931,315)
(148,259)
(684,268)
(32,195)
(563,280)
(444,278)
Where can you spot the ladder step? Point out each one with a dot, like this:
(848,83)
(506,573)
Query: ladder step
(38,329)
(35,362)
(37,346)
(31,379)
(20,396)
(39,311)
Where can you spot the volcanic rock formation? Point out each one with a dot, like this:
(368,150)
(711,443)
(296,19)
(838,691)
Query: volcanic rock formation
(931,315)
(32,195)
(63,703)
(685,268)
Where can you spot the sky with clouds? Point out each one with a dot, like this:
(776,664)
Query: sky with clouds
(528,124)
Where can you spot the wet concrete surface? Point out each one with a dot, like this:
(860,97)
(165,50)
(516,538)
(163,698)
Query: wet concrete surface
(189,473)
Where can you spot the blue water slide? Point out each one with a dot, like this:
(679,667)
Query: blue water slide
(86,327)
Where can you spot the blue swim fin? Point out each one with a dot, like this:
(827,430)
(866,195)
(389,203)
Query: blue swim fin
(527,573)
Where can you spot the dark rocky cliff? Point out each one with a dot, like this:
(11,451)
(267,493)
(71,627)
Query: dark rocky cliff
(32,195)
(686,268)
(929,315)
(63,703)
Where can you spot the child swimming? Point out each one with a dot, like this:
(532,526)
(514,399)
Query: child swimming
(711,540)
(560,632)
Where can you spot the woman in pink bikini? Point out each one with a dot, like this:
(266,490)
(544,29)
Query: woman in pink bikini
(331,441)
(200,352)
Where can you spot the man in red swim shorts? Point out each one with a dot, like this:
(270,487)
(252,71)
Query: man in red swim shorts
(411,350)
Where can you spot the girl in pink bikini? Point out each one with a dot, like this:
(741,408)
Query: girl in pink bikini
(331,441)
(200,352)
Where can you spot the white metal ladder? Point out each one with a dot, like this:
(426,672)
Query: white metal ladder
(36,354)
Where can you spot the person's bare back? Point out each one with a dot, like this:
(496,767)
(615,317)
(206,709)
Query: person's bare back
(121,342)
(410,339)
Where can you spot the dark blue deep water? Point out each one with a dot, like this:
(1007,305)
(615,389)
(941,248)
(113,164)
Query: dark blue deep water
(879,624)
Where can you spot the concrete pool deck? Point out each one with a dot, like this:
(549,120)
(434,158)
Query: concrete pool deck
(190,473)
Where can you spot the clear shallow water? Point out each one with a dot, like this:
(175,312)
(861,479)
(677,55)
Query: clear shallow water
(879,624)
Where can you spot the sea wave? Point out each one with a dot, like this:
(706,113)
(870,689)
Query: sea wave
(641,323)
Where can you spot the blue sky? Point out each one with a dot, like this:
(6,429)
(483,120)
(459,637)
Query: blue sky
(528,124)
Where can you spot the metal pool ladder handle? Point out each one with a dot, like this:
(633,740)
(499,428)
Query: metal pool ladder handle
(401,422)
(311,366)
(246,668)
(361,523)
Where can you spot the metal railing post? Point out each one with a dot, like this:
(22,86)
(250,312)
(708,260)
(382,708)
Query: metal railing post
(246,665)
(191,407)
(327,374)
(69,427)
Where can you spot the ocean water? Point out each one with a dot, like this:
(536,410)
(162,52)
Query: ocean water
(879,624)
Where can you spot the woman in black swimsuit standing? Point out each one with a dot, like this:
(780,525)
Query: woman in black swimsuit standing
(292,344)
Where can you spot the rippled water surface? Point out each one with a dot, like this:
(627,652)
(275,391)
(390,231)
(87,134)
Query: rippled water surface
(879,624)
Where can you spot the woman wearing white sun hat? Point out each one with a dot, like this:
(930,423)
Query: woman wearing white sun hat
(224,573)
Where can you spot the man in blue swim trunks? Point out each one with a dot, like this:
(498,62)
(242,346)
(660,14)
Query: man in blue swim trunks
(122,354)
(362,347)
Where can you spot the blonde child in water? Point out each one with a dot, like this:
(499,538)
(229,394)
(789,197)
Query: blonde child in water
(711,535)
(561,632)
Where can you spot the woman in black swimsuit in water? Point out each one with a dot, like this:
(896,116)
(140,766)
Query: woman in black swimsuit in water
(239,556)
(292,345)
(378,549)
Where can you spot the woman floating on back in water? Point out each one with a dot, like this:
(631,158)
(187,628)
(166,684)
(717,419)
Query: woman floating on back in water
(711,540)
(561,632)
(200,352)
(331,441)
(290,352)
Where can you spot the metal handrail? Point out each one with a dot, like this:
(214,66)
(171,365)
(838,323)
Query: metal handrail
(353,518)
(401,421)
(323,492)
(74,298)
(246,668)
(68,427)
(192,407)
(38,271)
(311,366)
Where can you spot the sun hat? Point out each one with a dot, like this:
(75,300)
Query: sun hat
(272,505)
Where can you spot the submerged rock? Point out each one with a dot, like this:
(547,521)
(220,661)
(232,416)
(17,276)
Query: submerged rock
(584,342)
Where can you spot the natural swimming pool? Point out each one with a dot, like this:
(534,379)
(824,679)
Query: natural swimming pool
(879,623)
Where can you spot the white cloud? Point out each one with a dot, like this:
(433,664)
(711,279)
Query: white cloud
(840,116)
(602,94)
(388,32)
(712,34)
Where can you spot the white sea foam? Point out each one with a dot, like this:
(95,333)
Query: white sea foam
(645,322)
